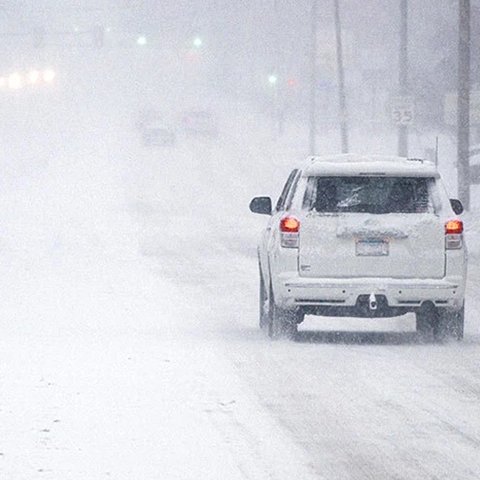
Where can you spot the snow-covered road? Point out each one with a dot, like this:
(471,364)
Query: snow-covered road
(363,398)
(129,346)
(109,369)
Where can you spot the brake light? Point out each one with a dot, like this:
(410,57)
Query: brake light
(453,235)
(289,232)
(454,227)
(289,225)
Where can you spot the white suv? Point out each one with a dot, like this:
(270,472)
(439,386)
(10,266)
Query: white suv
(364,236)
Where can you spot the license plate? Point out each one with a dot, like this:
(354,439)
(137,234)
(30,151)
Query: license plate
(371,248)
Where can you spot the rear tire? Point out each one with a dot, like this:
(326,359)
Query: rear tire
(425,321)
(262,302)
(450,324)
(282,323)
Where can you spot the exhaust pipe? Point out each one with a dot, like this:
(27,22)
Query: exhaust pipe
(372,302)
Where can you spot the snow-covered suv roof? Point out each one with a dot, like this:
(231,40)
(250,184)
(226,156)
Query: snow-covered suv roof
(352,164)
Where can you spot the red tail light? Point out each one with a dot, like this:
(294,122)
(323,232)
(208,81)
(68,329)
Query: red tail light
(453,227)
(289,225)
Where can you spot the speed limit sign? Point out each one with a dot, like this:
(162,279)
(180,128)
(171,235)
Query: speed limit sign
(402,110)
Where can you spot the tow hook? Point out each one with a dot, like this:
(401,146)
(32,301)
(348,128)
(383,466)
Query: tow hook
(372,302)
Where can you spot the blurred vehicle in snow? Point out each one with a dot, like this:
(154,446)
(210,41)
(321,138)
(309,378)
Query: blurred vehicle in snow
(158,134)
(199,123)
(147,116)
(474,161)
(363,236)
(154,129)
(475,150)
(475,154)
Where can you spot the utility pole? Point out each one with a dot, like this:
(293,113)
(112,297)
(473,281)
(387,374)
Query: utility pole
(278,71)
(463,109)
(313,78)
(403,75)
(341,80)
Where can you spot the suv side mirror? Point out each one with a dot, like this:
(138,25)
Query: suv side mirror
(457,206)
(262,205)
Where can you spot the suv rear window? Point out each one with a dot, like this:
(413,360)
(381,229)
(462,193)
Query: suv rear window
(378,195)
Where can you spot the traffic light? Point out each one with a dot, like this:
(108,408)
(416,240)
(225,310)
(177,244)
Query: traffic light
(98,33)
(142,40)
(38,35)
(272,79)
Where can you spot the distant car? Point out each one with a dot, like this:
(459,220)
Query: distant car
(363,236)
(201,123)
(474,160)
(158,135)
(475,152)
(148,116)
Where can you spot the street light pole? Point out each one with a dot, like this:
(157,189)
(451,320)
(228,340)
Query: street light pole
(403,74)
(341,80)
(463,121)
(313,77)
(279,100)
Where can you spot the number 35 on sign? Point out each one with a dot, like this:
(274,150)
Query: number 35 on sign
(402,110)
